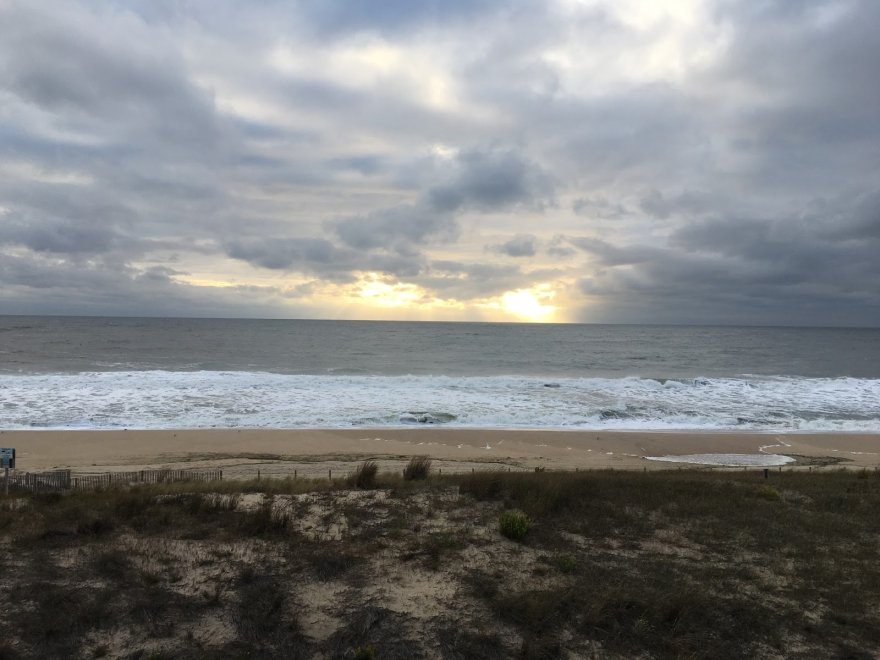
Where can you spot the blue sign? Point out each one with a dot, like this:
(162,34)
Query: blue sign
(7,457)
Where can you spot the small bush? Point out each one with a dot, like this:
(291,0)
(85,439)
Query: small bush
(768,493)
(364,476)
(566,563)
(514,525)
(367,652)
(418,468)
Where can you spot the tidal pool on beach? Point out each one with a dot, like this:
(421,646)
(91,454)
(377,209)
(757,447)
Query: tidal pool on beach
(731,460)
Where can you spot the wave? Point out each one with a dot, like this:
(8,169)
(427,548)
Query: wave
(205,399)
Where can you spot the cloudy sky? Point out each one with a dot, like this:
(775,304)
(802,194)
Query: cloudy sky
(698,161)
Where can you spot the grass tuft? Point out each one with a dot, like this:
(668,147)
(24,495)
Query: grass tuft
(417,469)
(364,476)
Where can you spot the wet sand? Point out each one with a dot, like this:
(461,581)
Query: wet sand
(241,452)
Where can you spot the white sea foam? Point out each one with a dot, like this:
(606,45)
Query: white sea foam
(729,460)
(204,399)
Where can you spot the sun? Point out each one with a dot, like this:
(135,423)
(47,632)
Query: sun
(530,304)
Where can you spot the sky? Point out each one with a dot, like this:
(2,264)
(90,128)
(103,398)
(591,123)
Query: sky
(596,161)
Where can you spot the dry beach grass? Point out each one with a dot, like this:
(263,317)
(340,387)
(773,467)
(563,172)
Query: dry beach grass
(615,564)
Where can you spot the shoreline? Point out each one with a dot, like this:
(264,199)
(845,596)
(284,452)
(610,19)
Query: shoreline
(312,452)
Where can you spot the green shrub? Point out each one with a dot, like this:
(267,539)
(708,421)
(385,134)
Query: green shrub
(768,493)
(418,468)
(367,652)
(514,525)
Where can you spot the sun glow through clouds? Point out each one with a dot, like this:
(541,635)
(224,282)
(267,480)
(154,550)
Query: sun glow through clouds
(382,294)
(530,304)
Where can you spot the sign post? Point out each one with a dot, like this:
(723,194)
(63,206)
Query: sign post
(7,461)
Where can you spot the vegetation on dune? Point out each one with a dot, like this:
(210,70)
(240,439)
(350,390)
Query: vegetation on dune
(364,475)
(609,564)
(419,467)
(514,525)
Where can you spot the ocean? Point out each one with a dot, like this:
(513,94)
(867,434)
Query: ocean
(148,373)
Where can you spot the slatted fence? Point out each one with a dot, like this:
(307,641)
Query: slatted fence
(39,482)
(44,482)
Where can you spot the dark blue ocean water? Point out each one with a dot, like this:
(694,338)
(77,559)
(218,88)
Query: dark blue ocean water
(180,373)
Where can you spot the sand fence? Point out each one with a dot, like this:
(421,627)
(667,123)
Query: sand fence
(58,480)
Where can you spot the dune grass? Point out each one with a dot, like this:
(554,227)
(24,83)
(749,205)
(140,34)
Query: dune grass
(418,468)
(615,564)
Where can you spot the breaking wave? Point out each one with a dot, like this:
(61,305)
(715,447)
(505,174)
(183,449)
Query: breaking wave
(205,399)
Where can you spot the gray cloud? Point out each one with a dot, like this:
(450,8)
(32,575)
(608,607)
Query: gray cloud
(285,253)
(420,141)
(40,286)
(521,245)
(109,82)
(341,16)
(494,179)
(469,281)
(407,223)
(746,270)
(477,180)
(322,258)
(599,207)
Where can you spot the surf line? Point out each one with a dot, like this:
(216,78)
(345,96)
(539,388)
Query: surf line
(780,443)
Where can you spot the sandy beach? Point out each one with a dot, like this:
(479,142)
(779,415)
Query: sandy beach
(242,452)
